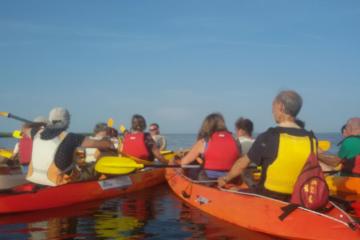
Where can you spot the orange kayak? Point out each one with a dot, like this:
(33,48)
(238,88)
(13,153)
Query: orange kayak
(344,185)
(260,213)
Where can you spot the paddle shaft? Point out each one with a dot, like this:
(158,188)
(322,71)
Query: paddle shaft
(18,118)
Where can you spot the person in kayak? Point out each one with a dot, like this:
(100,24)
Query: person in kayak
(52,161)
(281,151)
(23,149)
(244,128)
(216,146)
(101,131)
(349,152)
(138,143)
(160,140)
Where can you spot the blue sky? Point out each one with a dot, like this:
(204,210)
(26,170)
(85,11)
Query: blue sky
(176,61)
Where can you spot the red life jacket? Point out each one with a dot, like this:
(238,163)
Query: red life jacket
(221,152)
(25,150)
(134,145)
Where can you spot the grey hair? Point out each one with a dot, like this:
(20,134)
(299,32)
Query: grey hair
(353,123)
(291,100)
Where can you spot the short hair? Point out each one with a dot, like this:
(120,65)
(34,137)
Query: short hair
(155,125)
(100,127)
(245,124)
(300,123)
(138,123)
(343,129)
(291,100)
(353,124)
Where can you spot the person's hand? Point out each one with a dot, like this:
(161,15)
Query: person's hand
(222,181)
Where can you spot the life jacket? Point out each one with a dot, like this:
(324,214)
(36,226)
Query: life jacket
(25,150)
(293,152)
(221,152)
(134,145)
(351,165)
(42,169)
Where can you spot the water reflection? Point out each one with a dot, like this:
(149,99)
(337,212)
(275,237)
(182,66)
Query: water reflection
(151,214)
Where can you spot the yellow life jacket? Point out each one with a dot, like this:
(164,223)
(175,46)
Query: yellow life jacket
(293,152)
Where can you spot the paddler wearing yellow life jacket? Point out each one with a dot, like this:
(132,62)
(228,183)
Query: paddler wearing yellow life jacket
(349,152)
(52,161)
(281,151)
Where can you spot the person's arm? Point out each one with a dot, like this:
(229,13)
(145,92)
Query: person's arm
(99,144)
(331,160)
(156,151)
(193,153)
(236,170)
(163,143)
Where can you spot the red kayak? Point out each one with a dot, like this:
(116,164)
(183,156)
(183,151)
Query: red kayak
(78,192)
(261,213)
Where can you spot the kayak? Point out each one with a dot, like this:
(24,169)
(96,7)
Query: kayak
(260,213)
(78,192)
(343,185)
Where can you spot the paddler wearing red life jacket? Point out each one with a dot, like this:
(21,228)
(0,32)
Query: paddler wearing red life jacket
(138,143)
(52,160)
(349,152)
(281,151)
(216,146)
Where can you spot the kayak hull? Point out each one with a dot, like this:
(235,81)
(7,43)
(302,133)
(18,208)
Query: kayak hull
(78,192)
(259,213)
(344,185)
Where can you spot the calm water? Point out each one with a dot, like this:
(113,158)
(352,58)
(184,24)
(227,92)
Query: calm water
(151,214)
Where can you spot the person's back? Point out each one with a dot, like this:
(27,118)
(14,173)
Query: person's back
(282,151)
(216,145)
(244,128)
(138,143)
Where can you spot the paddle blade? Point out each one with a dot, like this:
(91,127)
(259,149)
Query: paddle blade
(4,114)
(116,165)
(17,134)
(122,128)
(110,122)
(5,153)
(324,145)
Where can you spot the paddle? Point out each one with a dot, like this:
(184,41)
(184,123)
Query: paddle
(9,115)
(125,165)
(324,145)
(17,134)
(110,122)
(5,153)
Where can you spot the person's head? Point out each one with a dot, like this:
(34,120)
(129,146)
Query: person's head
(344,131)
(138,123)
(353,126)
(211,124)
(101,130)
(59,118)
(286,106)
(154,129)
(244,127)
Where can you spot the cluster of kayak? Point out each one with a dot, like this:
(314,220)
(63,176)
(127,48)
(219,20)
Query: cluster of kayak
(243,207)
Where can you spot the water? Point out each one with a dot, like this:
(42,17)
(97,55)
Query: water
(150,214)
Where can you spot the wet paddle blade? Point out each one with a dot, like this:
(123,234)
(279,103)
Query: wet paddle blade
(4,114)
(110,122)
(5,153)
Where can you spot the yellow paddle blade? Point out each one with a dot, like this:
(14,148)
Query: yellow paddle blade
(4,114)
(110,122)
(117,165)
(122,128)
(324,145)
(5,153)
(17,134)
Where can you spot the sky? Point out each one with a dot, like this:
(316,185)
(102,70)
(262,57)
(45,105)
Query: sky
(174,62)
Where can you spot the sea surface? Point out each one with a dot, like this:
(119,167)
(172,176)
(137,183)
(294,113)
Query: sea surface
(154,213)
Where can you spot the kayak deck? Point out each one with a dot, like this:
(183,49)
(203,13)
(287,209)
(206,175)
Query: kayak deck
(73,193)
(260,213)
